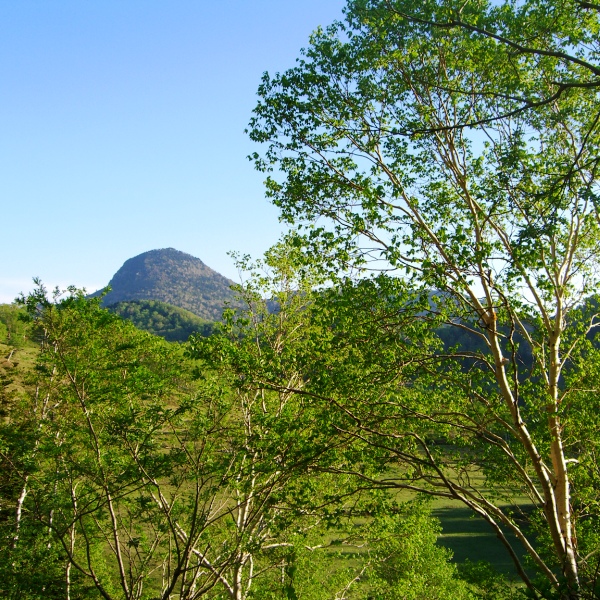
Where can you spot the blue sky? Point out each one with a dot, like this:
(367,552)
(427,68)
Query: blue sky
(122,130)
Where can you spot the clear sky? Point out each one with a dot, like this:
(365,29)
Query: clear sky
(122,130)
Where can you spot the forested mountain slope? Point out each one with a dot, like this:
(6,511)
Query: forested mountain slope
(159,318)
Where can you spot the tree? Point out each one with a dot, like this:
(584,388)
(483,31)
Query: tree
(115,469)
(129,472)
(282,501)
(557,37)
(455,147)
(12,330)
(299,357)
(408,563)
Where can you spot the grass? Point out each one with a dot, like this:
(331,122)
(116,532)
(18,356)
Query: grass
(471,538)
(15,364)
(468,535)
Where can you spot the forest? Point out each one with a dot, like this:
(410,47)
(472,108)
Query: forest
(424,336)
(169,322)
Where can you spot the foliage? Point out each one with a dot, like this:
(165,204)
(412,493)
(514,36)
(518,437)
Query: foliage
(326,353)
(13,330)
(456,149)
(408,563)
(124,477)
(283,447)
(115,475)
(16,351)
(169,322)
(130,472)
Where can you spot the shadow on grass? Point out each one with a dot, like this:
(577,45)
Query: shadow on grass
(471,537)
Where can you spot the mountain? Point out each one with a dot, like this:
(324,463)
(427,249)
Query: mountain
(173,277)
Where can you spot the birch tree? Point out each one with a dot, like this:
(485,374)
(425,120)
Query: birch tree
(455,147)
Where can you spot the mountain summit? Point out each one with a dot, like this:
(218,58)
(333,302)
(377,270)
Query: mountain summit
(174,277)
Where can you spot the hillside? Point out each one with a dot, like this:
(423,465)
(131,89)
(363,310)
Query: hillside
(17,354)
(173,277)
(169,322)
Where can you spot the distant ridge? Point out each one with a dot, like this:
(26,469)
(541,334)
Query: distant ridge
(174,277)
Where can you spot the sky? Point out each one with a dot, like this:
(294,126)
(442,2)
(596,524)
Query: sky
(122,131)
